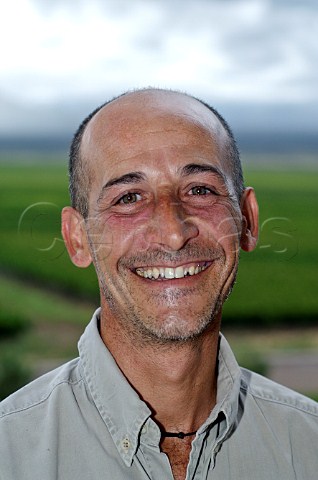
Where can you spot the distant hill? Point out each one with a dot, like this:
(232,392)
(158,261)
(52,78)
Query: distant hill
(248,142)
(287,142)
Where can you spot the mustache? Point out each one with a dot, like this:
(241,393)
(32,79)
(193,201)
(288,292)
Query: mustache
(188,254)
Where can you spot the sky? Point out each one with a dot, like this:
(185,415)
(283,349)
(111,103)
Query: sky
(254,60)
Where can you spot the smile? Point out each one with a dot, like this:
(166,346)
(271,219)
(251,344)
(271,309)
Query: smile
(160,273)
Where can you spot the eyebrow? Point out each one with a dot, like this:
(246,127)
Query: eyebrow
(193,168)
(132,177)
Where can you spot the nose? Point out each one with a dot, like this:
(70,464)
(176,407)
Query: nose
(170,226)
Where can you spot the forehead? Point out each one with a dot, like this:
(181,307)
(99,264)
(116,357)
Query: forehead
(152,130)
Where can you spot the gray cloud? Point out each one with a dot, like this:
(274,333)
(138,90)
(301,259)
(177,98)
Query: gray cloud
(259,56)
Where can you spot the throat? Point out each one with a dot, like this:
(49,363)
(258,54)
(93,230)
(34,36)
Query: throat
(178,452)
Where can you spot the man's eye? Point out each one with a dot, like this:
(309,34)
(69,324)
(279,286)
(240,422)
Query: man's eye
(130,198)
(200,190)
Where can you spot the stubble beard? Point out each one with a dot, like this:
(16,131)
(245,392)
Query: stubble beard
(172,330)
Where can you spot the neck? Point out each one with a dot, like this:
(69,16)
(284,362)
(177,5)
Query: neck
(177,381)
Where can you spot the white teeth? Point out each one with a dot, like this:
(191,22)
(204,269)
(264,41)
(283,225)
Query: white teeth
(169,272)
(155,272)
(179,272)
(191,270)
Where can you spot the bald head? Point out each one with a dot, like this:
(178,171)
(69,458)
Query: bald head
(131,113)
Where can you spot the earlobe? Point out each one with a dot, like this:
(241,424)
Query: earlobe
(75,237)
(249,209)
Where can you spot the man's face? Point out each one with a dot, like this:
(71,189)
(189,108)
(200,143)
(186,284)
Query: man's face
(164,224)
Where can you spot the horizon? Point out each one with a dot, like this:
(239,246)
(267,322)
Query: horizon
(259,71)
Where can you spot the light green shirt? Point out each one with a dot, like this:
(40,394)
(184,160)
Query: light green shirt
(83,421)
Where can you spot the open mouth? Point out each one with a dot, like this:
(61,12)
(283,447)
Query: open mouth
(168,273)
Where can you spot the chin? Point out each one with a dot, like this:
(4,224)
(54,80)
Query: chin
(176,330)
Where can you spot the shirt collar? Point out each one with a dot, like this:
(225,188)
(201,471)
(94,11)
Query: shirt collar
(120,406)
(228,391)
(117,402)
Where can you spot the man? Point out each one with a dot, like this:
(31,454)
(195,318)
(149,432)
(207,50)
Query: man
(159,207)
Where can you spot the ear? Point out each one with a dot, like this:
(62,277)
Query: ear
(75,237)
(249,209)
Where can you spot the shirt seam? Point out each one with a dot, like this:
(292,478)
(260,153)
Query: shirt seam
(279,402)
(42,400)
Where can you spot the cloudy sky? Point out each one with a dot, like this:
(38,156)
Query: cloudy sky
(255,60)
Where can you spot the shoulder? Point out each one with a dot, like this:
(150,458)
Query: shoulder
(40,390)
(273,398)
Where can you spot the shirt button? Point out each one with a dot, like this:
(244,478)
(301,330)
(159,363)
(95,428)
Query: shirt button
(125,443)
(144,429)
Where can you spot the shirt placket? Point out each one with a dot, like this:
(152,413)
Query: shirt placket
(204,451)
(155,462)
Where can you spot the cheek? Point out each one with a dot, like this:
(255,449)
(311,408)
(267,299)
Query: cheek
(221,223)
(229,230)
(116,234)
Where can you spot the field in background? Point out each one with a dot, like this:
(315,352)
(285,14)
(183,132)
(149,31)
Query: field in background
(49,300)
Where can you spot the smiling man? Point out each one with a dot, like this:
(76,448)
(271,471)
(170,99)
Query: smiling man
(159,207)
